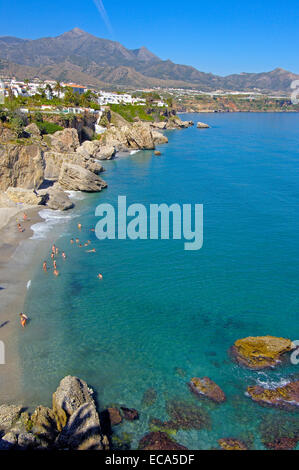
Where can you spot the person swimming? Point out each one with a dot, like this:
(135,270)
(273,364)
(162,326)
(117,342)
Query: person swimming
(72,241)
(79,226)
(45,268)
(52,255)
(54,264)
(63,255)
(77,240)
(23,319)
(55,272)
(100,276)
(56,251)
(53,249)
(91,251)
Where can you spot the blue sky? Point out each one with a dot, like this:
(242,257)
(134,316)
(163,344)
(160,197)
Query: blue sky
(222,37)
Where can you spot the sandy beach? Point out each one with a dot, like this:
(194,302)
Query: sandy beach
(16,251)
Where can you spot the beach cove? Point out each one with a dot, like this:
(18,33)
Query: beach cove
(162,316)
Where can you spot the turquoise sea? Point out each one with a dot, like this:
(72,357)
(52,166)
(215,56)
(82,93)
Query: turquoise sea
(163,315)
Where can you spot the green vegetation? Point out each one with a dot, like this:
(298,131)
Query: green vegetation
(131,112)
(47,127)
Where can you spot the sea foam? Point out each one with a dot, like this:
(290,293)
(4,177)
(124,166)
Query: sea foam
(51,218)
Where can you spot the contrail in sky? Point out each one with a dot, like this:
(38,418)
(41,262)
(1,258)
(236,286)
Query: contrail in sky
(100,6)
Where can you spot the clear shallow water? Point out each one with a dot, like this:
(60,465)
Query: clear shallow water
(160,308)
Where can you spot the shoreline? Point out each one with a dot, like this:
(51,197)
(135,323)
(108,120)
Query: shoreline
(15,265)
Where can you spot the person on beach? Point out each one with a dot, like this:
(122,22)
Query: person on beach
(23,319)
(100,276)
(24,216)
(20,228)
(63,255)
(45,268)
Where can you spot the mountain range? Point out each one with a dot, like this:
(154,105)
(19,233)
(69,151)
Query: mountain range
(78,56)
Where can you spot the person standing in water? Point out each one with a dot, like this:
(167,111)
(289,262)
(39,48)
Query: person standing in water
(63,255)
(45,268)
(23,319)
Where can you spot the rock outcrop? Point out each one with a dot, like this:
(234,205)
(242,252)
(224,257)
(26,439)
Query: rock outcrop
(202,125)
(83,431)
(33,131)
(44,424)
(159,441)
(286,396)
(9,414)
(57,199)
(69,396)
(76,178)
(261,351)
(25,196)
(137,136)
(63,141)
(96,150)
(205,387)
(21,166)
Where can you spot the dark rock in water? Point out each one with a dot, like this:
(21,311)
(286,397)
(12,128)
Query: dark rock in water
(186,415)
(284,443)
(115,416)
(232,444)
(286,396)
(149,397)
(129,413)
(279,432)
(205,387)
(109,418)
(157,153)
(159,441)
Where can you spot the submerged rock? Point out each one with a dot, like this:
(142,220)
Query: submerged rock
(261,351)
(232,444)
(279,432)
(129,413)
(286,396)
(186,415)
(159,441)
(207,388)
